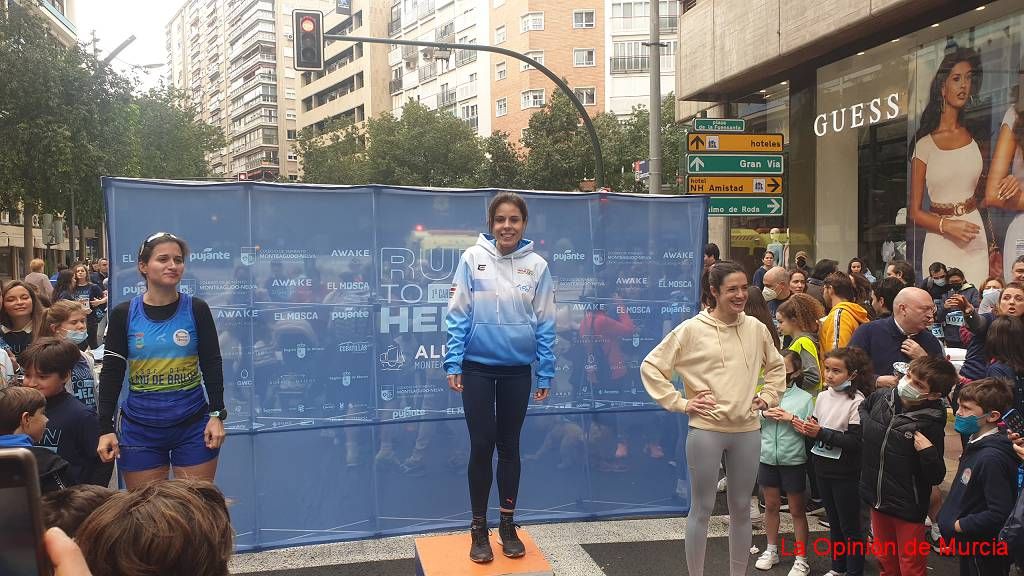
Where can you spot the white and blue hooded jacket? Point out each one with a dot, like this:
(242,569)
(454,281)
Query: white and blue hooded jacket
(501,310)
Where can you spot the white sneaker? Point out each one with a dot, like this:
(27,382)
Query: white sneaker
(834,573)
(800,568)
(767,560)
(722,484)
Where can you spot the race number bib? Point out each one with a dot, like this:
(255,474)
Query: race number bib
(937,331)
(827,450)
(955,318)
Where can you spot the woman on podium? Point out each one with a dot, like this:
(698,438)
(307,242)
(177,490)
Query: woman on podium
(501,319)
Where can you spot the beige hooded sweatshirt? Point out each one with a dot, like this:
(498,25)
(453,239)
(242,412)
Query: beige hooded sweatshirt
(724,358)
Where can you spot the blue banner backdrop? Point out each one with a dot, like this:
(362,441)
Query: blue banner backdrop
(330,304)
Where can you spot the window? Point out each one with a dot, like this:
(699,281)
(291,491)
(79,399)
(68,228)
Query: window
(532,99)
(470,111)
(499,35)
(501,107)
(583,19)
(532,21)
(293,156)
(588,96)
(500,71)
(292,134)
(584,57)
(289,93)
(290,115)
(537,55)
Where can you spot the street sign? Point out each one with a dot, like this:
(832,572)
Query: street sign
(734,185)
(745,206)
(719,124)
(734,163)
(701,142)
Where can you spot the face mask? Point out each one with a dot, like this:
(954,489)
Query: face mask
(990,292)
(769,294)
(967,425)
(940,282)
(76,336)
(908,392)
(842,386)
(956,287)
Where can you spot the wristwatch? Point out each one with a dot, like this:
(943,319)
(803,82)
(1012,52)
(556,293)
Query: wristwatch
(222,414)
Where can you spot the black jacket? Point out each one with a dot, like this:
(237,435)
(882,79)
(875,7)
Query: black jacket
(895,478)
(73,432)
(53,470)
(983,490)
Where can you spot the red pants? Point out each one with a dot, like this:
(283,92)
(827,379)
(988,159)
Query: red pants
(911,558)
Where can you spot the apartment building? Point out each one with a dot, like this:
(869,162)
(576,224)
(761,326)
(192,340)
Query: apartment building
(353,84)
(567,37)
(453,81)
(627,33)
(234,57)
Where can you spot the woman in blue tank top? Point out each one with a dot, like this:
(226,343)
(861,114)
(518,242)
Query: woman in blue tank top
(166,341)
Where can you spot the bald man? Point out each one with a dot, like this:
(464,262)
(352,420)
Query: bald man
(776,288)
(901,337)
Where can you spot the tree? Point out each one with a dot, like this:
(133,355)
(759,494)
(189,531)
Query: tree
(505,165)
(338,156)
(560,155)
(636,130)
(171,140)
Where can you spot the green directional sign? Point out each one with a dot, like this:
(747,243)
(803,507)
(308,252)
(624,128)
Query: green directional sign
(719,125)
(734,163)
(745,206)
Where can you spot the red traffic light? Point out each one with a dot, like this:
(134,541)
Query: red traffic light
(308,24)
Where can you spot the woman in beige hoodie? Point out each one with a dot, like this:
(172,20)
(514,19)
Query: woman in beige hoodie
(719,355)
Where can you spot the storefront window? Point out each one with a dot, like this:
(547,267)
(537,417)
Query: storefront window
(874,107)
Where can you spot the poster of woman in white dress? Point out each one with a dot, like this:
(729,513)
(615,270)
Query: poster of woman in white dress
(1003,190)
(947,164)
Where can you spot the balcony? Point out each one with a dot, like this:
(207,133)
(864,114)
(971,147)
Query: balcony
(425,8)
(445,33)
(258,79)
(463,57)
(249,104)
(640,64)
(428,72)
(395,85)
(446,98)
(395,27)
(250,146)
(642,24)
(258,58)
(466,90)
(257,36)
(263,119)
(409,53)
(262,162)
(473,122)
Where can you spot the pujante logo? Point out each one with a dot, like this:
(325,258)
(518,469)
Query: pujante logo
(387,393)
(208,255)
(598,257)
(567,255)
(247,254)
(392,359)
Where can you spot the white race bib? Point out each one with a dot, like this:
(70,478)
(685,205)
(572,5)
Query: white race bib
(827,450)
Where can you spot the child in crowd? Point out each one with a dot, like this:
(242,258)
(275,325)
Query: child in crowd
(67,509)
(985,485)
(903,431)
(164,527)
(73,430)
(67,319)
(798,318)
(783,468)
(835,426)
(22,424)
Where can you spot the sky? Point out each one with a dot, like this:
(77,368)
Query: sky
(116,20)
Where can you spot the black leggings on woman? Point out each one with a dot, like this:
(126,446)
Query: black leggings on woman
(495,400)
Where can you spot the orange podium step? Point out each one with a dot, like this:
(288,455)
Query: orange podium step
(449,556)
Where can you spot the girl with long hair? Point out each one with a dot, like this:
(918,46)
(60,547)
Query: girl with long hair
(91,296)
(66,320)
(798,318)
(21,316)
(1003,346)
(720,354)
(166,341)
(835,428)
(948,163)
(62,289)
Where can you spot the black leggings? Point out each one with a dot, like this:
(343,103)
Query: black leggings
(495,400)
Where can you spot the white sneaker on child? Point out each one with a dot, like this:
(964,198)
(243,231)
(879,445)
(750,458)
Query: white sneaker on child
(800,568)
(767,560)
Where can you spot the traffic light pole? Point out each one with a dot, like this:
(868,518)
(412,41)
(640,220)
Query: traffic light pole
(587,122)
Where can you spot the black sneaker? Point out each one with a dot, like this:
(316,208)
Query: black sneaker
(480,551)
(511,545)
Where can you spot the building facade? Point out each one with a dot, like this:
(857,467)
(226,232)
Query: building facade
(567,37)
(454,81)
(627,35)
(234,58)
(858,90)
(353,85)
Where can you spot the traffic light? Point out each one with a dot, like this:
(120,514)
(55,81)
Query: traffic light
(308,44)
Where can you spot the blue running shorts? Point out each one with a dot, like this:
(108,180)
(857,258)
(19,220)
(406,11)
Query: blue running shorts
(146,447)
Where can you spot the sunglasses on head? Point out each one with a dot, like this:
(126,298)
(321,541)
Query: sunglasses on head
(158,236)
